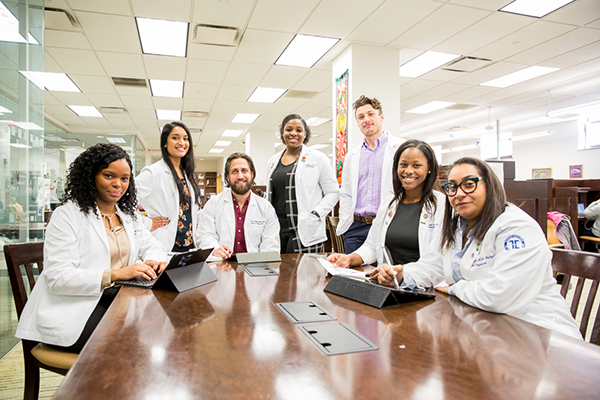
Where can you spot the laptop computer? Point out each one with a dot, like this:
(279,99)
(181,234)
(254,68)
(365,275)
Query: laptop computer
(185,271)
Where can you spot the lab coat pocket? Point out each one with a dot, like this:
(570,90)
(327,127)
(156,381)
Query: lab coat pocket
(311,227)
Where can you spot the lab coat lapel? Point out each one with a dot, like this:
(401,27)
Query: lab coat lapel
(129,229)
(229,212)
(98,224)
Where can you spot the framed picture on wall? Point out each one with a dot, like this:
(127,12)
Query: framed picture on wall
(575,171)
(541,173)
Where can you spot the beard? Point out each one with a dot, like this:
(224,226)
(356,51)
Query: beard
(241,190)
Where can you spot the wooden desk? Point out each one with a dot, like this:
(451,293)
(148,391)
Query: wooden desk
(227,340)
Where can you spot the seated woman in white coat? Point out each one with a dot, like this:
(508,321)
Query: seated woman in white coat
(95,237)
(492,254)
(407,221)
(168,192)
(302,187)
(237,220)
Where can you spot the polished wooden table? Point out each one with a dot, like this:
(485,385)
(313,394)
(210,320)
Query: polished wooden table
(228,340)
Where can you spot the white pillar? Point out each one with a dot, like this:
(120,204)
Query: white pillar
(260,146)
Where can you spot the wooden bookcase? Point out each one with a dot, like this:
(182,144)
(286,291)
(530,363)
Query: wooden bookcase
(207,181)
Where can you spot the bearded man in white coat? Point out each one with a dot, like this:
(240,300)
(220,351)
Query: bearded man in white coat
(237,220)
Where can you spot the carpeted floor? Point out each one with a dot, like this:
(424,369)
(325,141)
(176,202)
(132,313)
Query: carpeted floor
(12,377)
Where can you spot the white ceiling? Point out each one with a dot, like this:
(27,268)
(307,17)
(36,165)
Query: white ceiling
(218,80)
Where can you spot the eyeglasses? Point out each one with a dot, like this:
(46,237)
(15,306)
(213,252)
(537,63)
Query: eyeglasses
(468,185)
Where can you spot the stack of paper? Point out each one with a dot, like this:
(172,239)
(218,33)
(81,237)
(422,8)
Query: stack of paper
(333,270)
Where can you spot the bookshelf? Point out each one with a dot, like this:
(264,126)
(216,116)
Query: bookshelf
(207,181)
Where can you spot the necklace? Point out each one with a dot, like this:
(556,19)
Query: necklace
(109,216)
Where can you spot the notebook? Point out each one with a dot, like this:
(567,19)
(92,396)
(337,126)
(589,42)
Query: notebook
(184,271)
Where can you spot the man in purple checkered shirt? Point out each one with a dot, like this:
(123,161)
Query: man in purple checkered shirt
(367,175)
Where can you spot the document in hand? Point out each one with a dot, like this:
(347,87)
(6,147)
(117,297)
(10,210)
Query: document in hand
(333,270)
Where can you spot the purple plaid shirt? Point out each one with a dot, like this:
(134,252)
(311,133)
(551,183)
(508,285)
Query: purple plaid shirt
(369,177)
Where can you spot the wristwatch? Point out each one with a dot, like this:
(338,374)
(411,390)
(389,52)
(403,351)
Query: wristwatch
(315,214)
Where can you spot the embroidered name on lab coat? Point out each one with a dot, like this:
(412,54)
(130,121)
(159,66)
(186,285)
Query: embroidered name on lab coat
(257,222)
(481,261)
(514,242)
(312,165)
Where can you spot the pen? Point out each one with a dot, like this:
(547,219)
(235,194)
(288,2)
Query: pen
(386,256)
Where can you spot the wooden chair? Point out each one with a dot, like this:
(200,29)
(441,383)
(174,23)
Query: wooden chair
(336,241)
(36,355)
(588,239)
(553,240)
(585,266)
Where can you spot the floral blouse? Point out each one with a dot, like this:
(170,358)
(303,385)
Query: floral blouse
(185,235)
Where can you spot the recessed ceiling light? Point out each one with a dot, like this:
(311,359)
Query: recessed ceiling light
(53,81)
(534,8)
(519,76)
(32,126)
(314,121)
(86,111)
(241,118)
(223,143)
(20,146)
(166,38)
(9,28)
(162,88)
(5,110)
(430,107)
(305,51)
(424,63)
(168,115)
(232,132)
(265,95)
(216,150)
(116,140)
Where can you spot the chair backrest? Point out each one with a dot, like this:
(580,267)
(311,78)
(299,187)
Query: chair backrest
(25,254)
(553,240)
(583,265)
(337,241)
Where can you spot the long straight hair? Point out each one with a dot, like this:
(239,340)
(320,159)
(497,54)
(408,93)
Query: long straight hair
(187,166)
(494,206)
(428,200)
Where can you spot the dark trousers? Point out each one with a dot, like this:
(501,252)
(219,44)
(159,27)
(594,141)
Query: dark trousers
(106,300)
(355,236)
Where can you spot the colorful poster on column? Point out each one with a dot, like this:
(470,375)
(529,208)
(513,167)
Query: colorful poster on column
(341,123)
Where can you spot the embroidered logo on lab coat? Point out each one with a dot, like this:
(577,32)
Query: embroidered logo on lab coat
(514,242)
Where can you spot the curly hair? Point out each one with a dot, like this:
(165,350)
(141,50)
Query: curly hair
(81,178)
(288,119)
(364,100)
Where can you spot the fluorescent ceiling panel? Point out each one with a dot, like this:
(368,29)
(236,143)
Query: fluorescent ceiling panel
(9,28)
(166,38)
(5,110)
(314,121)
(20,145)
(232,132)
(426,62)
(162,88)
(116,140)
(519,76)
(216,150)
(86,111)
(242,118)
(32,126)
(168,115)
(535,8)
(305,51)
(223,143)
(265,95)
(530,136)
(53,81)
(430,107)
(590,108)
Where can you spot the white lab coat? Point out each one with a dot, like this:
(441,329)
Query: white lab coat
(76,253)
(429,226)
(314,177)
(157,193)
(217,223)
(349,189)
(509,272)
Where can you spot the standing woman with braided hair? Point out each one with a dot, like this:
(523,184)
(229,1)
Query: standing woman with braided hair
(169,193)
(95,237)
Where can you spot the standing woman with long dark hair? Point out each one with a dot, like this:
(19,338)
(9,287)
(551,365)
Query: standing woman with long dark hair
(302,187)
(168,190)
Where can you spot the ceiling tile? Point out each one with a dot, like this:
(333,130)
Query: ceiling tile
(574,57)
(589,66)
(167,103)
(175,10)
(235,93)
(142,113)
(74,99)
(233,13)
(415,86)
(580,12)
(280,76)
(441,91)
(133,91)
(197,105)
(50,65)
(206,91)
(73,40)
(122,37)
(206,71)
(210,52)
(490,5)
(314,81)
(93,84)
(338,18)
(132,102)
(446,22)
(223,106)
(105,6)
(245,74)
(163,67)
(262,47)
(274,15)
(76,61)
(104,100)
(122,65)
